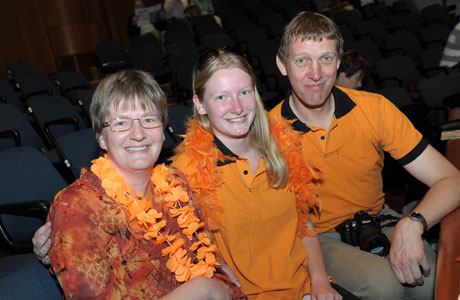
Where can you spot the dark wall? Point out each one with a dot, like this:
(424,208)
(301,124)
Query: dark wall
(58,35)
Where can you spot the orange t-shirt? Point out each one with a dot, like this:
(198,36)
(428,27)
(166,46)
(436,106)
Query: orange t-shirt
(257,238)
(351,152)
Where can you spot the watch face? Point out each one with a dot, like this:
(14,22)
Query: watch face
(416,215)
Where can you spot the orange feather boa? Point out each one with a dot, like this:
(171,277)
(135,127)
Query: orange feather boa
(204,178)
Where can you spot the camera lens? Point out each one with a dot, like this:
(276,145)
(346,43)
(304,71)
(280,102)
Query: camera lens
(376,244)
(370,235)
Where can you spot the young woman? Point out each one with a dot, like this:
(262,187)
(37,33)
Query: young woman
(252,184)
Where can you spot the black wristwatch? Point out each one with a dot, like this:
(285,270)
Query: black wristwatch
(416,216)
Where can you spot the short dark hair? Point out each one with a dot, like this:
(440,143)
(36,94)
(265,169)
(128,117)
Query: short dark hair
(351,63)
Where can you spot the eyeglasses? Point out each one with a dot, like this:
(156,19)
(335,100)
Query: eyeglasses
(211,54)
(124,124)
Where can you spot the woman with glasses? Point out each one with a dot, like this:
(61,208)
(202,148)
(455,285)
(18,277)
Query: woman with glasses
(127,229)
(252,184)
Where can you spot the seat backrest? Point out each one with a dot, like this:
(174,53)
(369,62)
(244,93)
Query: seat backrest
(177,116)
(405,21)
(429,61)
(83,97)
(347,34)
(371,29)
(181,48)
(9,96)
(400,67)
(376,11)
(145,40)
(434,34)
(404,40)
(436,13)
(21,68)
(216,41)
(397,95)
(78,149)
(27,175)
(182,67)
(3,76)
(147,58)
(176,31)
(435,89)
(32,84)
(69,80)
(51,108)
(368,49)
(12,118)
(346,17)
(109,52)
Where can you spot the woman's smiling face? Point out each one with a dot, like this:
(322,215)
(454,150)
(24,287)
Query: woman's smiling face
(229,102)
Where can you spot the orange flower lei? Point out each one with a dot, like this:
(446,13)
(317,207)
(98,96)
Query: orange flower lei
(144,217)
(204,177)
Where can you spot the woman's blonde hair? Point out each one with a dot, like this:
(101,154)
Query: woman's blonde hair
(259,133)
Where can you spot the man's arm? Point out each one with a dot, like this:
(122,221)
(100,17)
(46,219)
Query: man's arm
(407,256)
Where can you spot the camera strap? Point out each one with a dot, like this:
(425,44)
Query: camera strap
(387,220)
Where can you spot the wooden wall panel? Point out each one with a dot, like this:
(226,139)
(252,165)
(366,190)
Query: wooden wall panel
(22,35)
(64,12)
(73,26)
(76,38)
(50,32)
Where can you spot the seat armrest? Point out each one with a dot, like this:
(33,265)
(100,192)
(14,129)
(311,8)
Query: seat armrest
(12,133)
(35,209)
(69,120)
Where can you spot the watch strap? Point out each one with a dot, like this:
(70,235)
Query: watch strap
(418,217)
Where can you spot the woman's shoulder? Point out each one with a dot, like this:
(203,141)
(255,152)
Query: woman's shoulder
(85,189)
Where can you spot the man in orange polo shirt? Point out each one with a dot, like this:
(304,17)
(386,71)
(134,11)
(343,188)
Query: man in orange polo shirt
(346,132)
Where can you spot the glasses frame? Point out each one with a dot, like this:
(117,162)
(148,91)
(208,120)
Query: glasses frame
(131,122)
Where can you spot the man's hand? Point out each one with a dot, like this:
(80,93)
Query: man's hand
(324,291)
(407,254)
(42,243)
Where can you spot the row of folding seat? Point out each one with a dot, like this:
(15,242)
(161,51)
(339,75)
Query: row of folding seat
(33,177)
(48,115)
(53,125)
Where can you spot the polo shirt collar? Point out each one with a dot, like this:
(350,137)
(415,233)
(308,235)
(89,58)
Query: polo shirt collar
(225,151)
(343,105)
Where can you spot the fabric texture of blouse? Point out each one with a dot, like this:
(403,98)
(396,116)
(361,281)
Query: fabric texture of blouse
(97,255)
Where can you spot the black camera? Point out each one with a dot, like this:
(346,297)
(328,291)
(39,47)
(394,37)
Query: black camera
(364,231)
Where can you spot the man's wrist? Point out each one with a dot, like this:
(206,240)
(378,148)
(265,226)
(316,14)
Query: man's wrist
(418,217)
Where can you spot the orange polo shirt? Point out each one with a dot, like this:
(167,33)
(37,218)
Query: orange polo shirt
(258,236)
(351,152)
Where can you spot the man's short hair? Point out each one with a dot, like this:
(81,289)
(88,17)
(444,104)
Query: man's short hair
(309,26)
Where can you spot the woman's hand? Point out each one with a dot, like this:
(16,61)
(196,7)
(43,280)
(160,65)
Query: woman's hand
(324,291)
(42,243)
